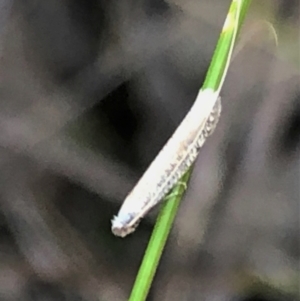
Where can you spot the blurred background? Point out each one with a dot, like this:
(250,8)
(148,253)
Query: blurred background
(89,93)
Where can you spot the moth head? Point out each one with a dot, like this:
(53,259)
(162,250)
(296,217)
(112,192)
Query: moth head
(124,224)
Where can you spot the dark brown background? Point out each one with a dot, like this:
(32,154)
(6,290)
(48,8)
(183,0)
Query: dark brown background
(89,93)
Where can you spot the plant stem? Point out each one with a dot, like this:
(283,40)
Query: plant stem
(214,80)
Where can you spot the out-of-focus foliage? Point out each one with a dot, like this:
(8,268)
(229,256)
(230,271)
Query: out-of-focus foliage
(89,93)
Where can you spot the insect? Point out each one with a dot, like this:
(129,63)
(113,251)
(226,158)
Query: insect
(174,159)
(171,163)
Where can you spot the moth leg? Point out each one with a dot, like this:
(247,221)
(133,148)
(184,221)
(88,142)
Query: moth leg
(174,194)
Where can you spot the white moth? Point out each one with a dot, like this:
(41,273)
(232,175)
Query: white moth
(171,163)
